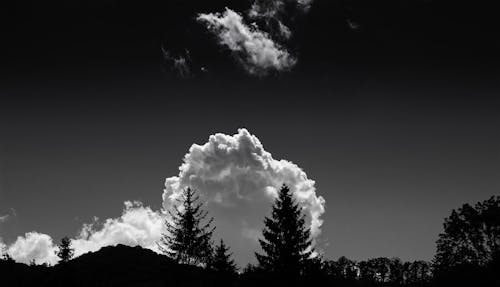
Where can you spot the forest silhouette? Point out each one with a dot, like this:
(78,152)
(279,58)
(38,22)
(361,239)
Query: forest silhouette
(468,254)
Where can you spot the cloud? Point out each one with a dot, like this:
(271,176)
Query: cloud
(180,63)
(276,8)
(3,247)
(305,4)
(12,213)
(238,178)
(274,13)
(4,218)
(138,225)
(353,25)
(253,48)
(33,246)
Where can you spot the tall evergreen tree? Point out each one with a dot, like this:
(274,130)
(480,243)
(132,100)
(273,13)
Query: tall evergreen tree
(65,252)
(189,234)
(287,244)
(222,261)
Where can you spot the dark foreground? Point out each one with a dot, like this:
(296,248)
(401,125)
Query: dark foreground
(135,266)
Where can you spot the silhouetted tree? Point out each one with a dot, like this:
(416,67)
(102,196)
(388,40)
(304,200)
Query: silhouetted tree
(65,252)
(188,239)
(222,261)
(367,271)
(343,268)
(316,267)
(471,235)
(251,268)
(375,270)
(348,268)
(287,244)
(417,273)
(396,275)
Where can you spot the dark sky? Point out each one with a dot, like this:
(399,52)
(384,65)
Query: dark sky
(398,123)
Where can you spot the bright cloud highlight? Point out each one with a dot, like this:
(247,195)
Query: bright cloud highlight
(33,246)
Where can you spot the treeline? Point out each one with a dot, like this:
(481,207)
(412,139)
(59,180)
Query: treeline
(468,250)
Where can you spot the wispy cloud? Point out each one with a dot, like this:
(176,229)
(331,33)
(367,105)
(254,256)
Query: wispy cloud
(253,48)
(180,63)
(4,218)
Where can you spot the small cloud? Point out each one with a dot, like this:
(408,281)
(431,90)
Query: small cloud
(251,233)
(3,247)
(33,246)
(253,48)
(276,8)
(305,5)
(284,30)
(352,24)
(180,63)
(4,218)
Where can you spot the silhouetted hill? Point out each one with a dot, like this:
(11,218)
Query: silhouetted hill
(135,266)
(111,266)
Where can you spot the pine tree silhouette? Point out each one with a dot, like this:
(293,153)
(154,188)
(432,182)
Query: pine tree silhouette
(287,244)
(65,252)
(188,240)
(222,261)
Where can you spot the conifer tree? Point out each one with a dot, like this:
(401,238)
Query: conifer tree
(65,252)
(287,244)
(189,234)
(222,261)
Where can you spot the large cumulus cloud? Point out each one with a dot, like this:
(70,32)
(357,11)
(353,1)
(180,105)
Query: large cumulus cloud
(238,179)
(253,48)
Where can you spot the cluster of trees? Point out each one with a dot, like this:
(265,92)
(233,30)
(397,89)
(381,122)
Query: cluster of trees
(381,270)
(470,242)
(468,250)
(287,246)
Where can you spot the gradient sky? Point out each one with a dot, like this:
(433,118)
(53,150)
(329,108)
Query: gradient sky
(394,142)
